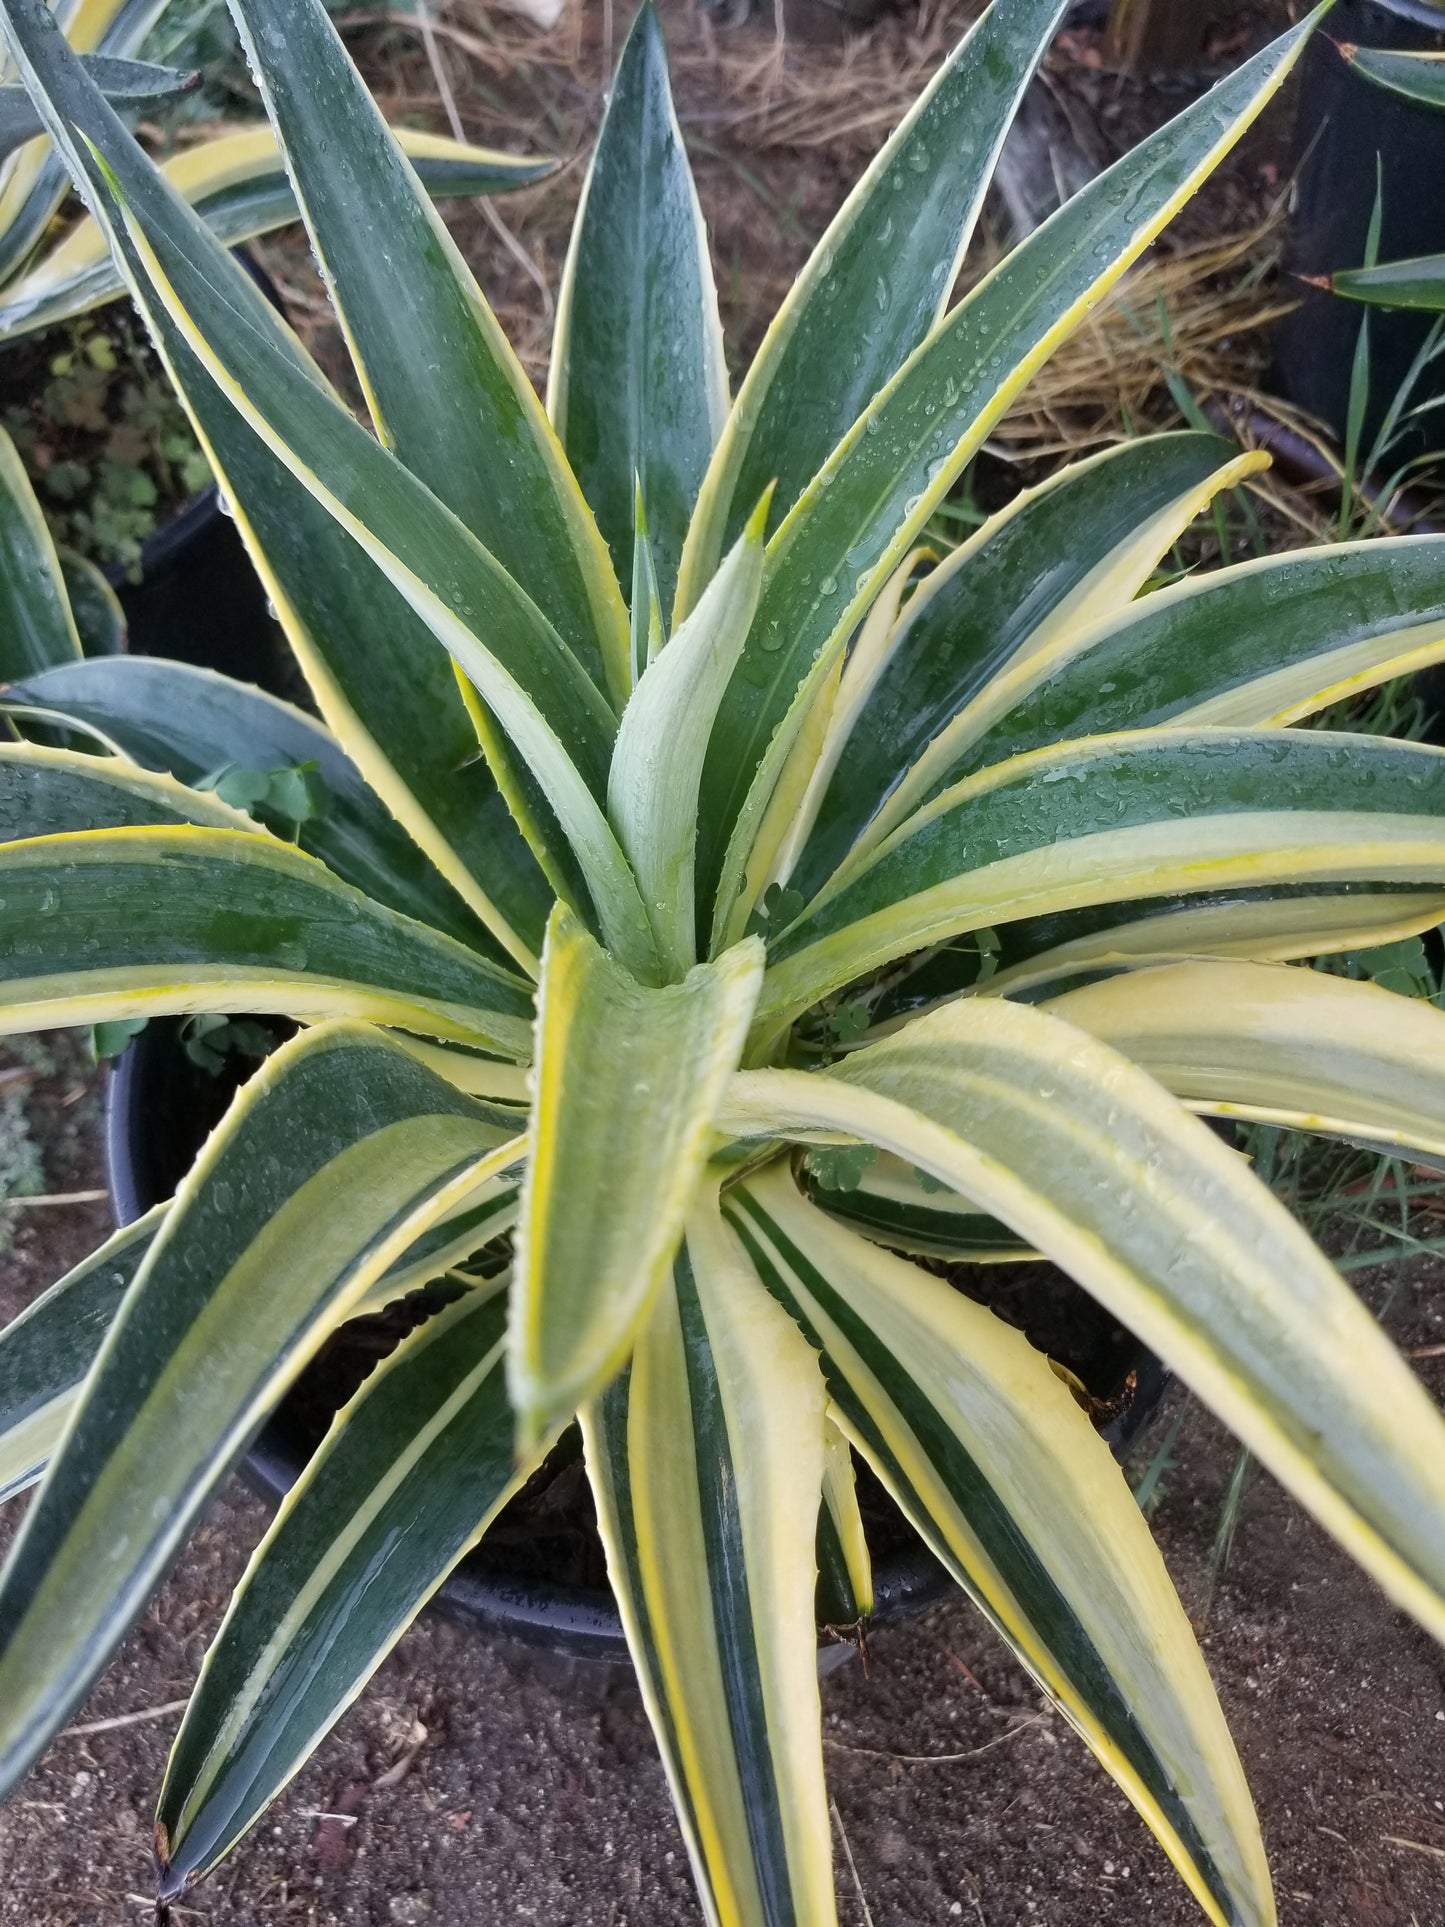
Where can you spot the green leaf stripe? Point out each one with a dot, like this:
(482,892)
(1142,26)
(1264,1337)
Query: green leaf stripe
(638,384)
(1267,641)
(994,1557)
(984,605)
(1114,819)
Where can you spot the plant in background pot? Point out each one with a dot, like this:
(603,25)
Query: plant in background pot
(83,394)
(1420,281)
(779,903)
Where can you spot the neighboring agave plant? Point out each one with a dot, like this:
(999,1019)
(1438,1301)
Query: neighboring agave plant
(1417,283)
(235,179)
(620,925)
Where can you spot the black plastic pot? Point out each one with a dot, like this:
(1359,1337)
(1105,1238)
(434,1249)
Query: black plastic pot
(159,1109)
(198,599)
(1344,123)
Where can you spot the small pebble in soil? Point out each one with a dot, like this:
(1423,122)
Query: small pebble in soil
(410,1909)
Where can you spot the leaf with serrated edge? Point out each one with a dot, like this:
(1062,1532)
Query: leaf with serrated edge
(46,1352)
(410,1475)
(103,924)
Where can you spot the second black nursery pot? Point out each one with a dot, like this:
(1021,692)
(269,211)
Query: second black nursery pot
(1351,135)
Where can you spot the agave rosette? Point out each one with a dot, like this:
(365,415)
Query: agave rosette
(677,796)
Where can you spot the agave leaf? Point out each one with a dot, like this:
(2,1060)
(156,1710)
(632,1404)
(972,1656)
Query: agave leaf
(707,1459)
(863,511)
(638,386)
(102,924)
(987,1453)
(628,1081)
(845,1564)
(1417,283)
(58,792)
(237,183)
(1291,1047)
(472,428)
(1267,926)
(1083,1154)
(1062,557)
(373,666)
(194,723)
(657,762)
(1264,642)
(46,1352)
(878,281)
(892,1205)
(333,1159)
(647,628)
(1115,818)
(125,83)
(1417,76)
(36,626)
(94,605)
(410,1475)
(33,182)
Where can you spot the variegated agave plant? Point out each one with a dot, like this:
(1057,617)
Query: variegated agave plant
(687,895)
(236,179)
